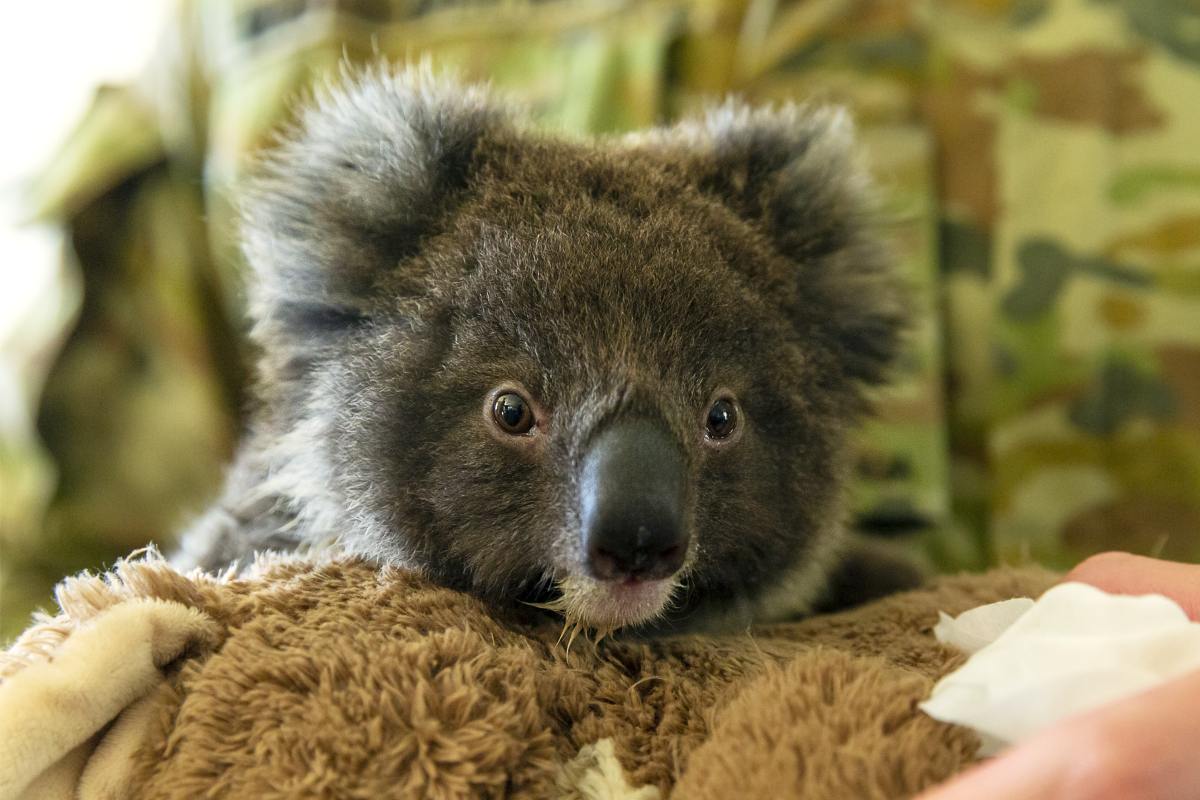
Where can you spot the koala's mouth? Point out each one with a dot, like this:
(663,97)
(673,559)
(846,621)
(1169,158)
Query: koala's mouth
(605,605)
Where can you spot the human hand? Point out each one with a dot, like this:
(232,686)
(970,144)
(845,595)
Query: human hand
(1141,747)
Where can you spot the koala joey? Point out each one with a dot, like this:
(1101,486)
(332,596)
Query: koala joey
(613,376)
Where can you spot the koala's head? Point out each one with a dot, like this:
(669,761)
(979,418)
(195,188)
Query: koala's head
(611,372)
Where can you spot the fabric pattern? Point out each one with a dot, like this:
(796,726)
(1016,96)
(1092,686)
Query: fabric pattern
(1040,177)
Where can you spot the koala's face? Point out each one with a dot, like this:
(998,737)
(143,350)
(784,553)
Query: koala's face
(606,409)
(585,374)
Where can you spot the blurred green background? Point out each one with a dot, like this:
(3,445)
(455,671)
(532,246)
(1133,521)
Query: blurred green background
(1041,170)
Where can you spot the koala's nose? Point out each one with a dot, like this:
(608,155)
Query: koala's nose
(632,495)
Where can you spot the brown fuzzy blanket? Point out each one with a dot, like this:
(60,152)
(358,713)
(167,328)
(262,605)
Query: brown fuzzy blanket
(335,679)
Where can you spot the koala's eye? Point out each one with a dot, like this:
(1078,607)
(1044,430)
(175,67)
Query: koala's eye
(512,413)
(722,419)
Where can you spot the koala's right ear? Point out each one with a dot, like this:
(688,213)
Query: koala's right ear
(368,170)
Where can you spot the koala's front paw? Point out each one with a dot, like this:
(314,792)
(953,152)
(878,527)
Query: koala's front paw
(868,571)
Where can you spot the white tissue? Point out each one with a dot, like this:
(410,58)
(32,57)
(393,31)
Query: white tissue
(975,629)
(1076,648)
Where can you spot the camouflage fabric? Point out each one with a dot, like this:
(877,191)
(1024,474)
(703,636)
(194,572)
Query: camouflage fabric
(1042,182)
(1071,269)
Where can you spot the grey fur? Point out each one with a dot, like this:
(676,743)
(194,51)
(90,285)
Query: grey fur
(414,247)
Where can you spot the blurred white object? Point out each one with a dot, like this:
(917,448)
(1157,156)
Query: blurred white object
(1076,648)
(53,56)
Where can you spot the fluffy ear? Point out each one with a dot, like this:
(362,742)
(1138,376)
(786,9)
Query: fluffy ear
(367,171)
(794,175)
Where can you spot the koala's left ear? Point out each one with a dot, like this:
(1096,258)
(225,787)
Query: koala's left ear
(795,176)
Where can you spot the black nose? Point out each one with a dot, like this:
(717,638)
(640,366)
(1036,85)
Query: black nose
(632,491)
